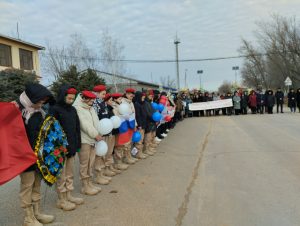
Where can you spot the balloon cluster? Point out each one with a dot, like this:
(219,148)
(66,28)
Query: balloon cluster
(106,125)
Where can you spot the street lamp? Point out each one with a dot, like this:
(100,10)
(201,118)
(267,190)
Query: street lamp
(235,68)
(200,72)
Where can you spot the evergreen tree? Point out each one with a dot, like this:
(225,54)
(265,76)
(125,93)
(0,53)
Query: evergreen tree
(71,77)
(12,83)
(89,79)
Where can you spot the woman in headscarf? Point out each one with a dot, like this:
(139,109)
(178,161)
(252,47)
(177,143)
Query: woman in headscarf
(30,104)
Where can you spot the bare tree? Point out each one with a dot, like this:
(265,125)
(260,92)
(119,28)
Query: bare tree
(167,81)
(112,56)
(276,56)
(225,87)
(56,59)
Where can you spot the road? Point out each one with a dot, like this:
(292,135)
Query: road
(216,171)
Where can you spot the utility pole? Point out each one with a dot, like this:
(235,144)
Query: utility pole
(176,42)
(236,68)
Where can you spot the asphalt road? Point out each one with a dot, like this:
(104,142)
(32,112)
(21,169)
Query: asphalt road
(216,171)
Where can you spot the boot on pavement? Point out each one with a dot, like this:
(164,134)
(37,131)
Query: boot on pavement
(76,200)
(108,172)
(43,218)
(92,185)
(112,168)
(101,180)
(148,152)
(86,189)
(120,165)
(127,157)
(30,219)
(63,203)
(141,155)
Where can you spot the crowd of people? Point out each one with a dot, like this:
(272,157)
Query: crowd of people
(79,114)
(257,102)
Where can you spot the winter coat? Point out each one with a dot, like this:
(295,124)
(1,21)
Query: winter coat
(140,112)
(88,122)
(298,97)
(36,93)
(279,97)
(260,97)
(270,100)
(253,101)
(292,99)
(150,123)
(244,101)
(67,116)
(236,102)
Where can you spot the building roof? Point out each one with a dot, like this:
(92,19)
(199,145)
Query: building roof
(127,78)
(22,42)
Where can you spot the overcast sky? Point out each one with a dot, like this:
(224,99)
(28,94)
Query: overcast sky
(206,28)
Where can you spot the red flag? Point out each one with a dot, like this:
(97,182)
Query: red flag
(16,154)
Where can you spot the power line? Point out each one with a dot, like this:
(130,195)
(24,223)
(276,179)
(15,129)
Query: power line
(156,61)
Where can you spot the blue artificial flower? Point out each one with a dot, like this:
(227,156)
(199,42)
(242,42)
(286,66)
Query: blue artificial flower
(49,159)
(52,136)
(65,143)
(48,147)
(57,126)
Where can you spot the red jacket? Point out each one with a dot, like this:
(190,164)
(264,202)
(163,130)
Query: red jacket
(252,100)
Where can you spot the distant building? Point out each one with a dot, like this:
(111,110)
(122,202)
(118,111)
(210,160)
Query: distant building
(118,83)
(18,54)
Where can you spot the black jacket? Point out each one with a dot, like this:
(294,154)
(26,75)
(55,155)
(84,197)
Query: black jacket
(298,97)
(292,99)
(279,95)
(150,125)
(140,112)
(35,92)
(68,118)
(270,99)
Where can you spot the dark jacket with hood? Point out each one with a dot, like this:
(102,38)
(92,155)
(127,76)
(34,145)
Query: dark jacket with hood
(150,123)
(292,99)
(279,95)
(270,99)
(67,116)
(298,97)
(140,112)
(36,93)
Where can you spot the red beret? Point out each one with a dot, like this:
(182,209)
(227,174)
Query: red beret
(150,92)
(107,96)
(116,95)
(99,88)
(88,94)
(71,91)
(130,90)
(143,94)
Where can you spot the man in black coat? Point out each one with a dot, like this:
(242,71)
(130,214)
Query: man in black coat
(279,96)
(67,116)
(292,100)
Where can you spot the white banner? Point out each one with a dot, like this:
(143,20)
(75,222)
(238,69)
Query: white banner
(211,105)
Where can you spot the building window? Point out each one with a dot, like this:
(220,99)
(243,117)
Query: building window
(26,62)
(5,55)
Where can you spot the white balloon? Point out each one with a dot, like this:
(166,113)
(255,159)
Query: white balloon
(105,126)
(124,109)
(101,148)
(116,121)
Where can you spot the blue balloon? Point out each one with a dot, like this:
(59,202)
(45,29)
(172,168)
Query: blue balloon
(136,137)
(156,116)
(160,107)
(154,105)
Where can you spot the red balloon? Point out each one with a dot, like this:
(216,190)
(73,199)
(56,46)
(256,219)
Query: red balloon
(162,101)
(168,118)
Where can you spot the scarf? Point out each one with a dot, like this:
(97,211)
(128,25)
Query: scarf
(28,110)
